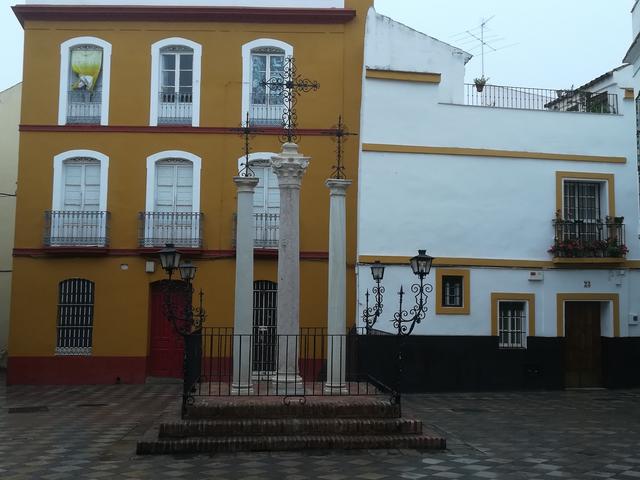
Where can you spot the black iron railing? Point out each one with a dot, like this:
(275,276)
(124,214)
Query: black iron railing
(266,109)
(175,109)
(84,107)
(76,228)
(183,229)
(587,239)
(234,364)
(541,99)
(266,227)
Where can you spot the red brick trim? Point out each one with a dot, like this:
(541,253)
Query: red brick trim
(75,370)
(317,16)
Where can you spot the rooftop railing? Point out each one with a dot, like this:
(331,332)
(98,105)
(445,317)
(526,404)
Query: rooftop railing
(524,98)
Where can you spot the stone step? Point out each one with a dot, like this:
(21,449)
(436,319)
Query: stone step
(287,443)
(226,408)
(290,426)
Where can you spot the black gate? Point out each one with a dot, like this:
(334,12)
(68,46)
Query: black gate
(265,320)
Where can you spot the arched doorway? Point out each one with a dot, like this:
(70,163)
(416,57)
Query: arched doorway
(265,321)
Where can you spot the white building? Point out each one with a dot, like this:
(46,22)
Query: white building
(489,183)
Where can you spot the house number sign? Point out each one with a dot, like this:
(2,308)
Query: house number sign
(587,284)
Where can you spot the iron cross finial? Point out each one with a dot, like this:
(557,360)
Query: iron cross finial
(247,131)
(340,135)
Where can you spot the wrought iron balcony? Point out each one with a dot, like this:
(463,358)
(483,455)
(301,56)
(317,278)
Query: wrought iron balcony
(84,107)
(76,229)
(589,239)
(266,110)
(175,109)
(541,99)
(266,227)
(183,229)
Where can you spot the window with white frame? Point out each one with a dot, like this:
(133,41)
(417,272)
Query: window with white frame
(75,317)
(512,321)
(263,59)
(85,66)
(175,82)
(266,205)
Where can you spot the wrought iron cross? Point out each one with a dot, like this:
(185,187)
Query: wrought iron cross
(290,85)
(247,131)
(340,135)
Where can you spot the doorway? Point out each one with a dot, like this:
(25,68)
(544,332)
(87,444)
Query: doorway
(583,345)
(265,325)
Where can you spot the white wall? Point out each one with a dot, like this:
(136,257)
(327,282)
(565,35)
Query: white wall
(635,15)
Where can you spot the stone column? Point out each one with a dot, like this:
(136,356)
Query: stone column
(337,308)
(289,167)
(243,319)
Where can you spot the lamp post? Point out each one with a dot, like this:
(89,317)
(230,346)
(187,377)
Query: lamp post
(188,323)
(371,314)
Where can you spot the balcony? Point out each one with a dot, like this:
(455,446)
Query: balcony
(266,227)
(175,109)
(521,98)
(84,107)
(76,229)
(582,241)
(266,110)
(183,229)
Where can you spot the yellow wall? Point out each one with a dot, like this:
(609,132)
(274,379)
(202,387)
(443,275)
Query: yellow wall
(330,54)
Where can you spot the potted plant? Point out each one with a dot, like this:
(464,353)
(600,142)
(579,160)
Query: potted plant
(480,83)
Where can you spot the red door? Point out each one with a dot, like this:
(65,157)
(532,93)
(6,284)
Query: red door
(166,350)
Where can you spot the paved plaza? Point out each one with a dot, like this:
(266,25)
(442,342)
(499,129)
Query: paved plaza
(90,432)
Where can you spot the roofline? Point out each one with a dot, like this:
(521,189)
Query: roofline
(635,42)
(635,5)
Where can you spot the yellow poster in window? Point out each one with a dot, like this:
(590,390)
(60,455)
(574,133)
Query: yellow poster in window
(86,64)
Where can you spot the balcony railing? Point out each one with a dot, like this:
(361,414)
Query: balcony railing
(266,227)
(84,107)
(541,99)
(156,229)
(589,239)
(75,228)
(175,109)
(266,109)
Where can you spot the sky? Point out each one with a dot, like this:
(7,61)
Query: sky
(550,43)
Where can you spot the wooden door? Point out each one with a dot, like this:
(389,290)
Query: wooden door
(583,345)
(166,349)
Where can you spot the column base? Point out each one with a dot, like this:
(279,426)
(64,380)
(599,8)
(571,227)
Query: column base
(335,388)
(288,384)
(241,389)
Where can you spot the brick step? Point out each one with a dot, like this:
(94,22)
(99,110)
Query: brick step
(290,426)
(287,443)
(215,408)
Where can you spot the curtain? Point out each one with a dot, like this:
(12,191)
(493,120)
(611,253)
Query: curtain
(86,64)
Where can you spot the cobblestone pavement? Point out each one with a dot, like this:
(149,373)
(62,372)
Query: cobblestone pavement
(90,432)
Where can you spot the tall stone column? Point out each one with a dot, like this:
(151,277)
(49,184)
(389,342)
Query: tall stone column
(243,319)
(337,308)
(289,167)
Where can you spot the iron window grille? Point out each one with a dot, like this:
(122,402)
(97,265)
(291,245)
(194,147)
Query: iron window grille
(512,318)
(452,291)
(75,317)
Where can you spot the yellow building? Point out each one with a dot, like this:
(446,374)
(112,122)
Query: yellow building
(129,140)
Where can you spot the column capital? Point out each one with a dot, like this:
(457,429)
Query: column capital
(246,184)
(289,166)
(338,186)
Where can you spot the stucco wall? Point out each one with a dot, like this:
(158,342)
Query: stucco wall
(9,120)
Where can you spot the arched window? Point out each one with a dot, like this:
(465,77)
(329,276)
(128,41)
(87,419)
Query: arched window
(85,70)
(75,317)
(79,214)
(262,60)
(173,200)
(175,82)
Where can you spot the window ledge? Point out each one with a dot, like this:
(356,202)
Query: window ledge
(589,260)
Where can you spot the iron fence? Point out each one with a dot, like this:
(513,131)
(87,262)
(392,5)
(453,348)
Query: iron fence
(266,227)
(84,107)
(583,239)
(76,228)
(311,363)
(541,99)
(175,109)
(183,229)
(266,109)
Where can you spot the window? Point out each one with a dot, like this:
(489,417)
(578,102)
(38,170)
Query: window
(175,82)
(75,317)
(511,324)
(173,201)
(263,59)
(452,289)
(78,215)
(85,66)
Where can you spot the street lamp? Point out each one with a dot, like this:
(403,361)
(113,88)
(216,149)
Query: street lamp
(169,258)
(370,315)
(421,263)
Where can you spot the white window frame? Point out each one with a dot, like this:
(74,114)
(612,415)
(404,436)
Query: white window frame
(525,324)
(155,77)
(151,176)
(65,56)
(57,202)
(246,67)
